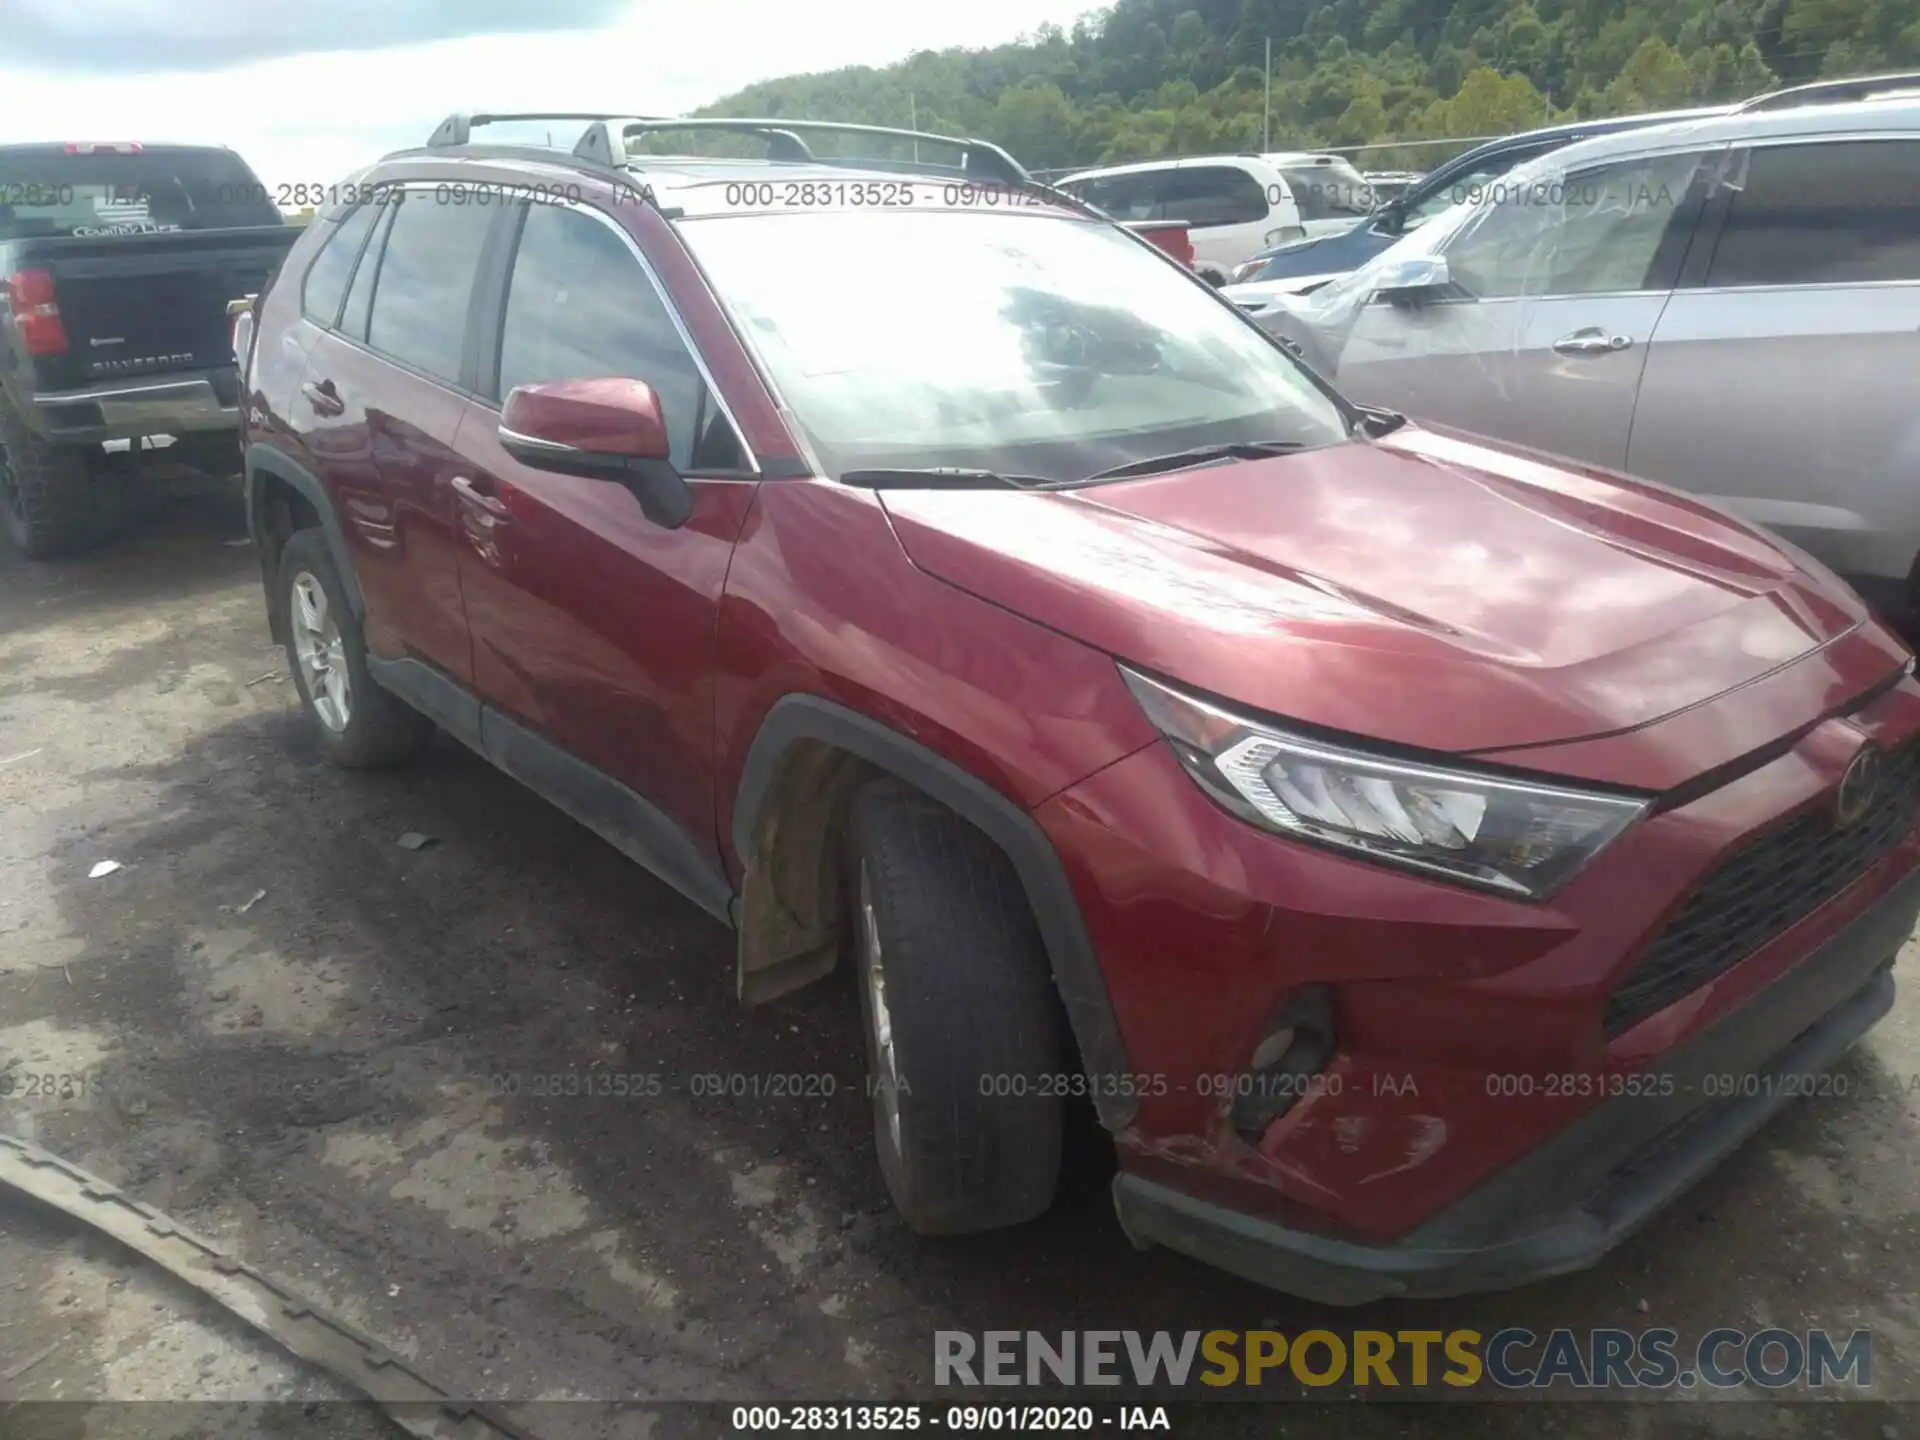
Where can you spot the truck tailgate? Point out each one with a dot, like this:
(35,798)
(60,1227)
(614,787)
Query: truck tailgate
(143,304)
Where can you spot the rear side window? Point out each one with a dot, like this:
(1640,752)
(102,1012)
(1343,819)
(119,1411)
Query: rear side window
(426,283)
(46,191)
(580,306)
(327,276)
(1216,195)
(1125,197)
(1201,195)
(1844,212)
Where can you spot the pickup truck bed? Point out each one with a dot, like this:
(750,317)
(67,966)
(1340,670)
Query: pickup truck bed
(117,264)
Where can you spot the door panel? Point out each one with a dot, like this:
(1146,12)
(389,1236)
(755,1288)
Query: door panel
(386,456)
(1563,279)
(1490,366)
(1813,429)
(594,626)
(1801,345)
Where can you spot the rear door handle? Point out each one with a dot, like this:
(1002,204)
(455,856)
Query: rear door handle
(1592,341)
(469,490)
(324,398)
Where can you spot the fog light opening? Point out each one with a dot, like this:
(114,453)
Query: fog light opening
(1298,1045)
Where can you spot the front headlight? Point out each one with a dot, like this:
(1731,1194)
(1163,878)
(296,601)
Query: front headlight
(1492,831)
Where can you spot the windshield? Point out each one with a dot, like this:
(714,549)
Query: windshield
(1021,344)
(49,192)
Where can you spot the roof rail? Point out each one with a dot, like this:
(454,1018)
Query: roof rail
(606,143)
(458,128)
(1831,92)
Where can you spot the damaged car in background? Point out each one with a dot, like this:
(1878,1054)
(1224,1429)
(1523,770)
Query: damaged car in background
(1730,306)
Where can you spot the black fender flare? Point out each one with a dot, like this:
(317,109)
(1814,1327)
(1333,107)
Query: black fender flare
(266,460)
(1076,966)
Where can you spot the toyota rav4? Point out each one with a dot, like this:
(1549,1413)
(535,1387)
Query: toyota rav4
(1426,856)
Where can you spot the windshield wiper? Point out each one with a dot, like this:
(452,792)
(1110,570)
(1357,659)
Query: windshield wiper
(1201,455)
(938,477)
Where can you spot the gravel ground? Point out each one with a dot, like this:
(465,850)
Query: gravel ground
(316,1076)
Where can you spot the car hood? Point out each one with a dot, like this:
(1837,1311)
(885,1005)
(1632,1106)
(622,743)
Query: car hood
(1428,589)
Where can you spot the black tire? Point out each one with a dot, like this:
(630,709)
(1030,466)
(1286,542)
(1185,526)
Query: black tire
(971,1014)
(381,728)
(52,501)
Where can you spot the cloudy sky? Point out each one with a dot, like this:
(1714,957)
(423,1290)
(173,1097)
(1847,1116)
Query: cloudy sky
(308,92)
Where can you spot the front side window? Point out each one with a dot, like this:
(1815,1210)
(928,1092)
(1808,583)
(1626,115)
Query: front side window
(1835,212)
(1051,347)
(1466,188)
(426,283)
(581,307)
(1607,229)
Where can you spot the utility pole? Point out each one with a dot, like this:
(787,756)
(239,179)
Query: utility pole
(913,122)
(1266,118)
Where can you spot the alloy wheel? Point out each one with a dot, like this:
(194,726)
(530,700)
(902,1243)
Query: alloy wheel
(321,651)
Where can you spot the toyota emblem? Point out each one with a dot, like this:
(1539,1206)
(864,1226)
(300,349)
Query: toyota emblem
(1857,786)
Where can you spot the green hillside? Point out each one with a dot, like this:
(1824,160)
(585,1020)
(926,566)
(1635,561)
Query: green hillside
(1157,77)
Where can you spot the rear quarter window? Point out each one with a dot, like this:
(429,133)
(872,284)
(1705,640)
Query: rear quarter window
(326,283)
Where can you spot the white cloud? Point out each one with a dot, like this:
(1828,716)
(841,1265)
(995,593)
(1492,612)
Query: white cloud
(315,117)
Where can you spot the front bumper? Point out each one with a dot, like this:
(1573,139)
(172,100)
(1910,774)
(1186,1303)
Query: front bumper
(1574,1197)
(127,409)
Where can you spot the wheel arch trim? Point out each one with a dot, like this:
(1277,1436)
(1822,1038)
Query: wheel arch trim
(1070,951)
(265,461)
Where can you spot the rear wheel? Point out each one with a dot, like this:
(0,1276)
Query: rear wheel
(359,724)
(963,1039)
(52,501)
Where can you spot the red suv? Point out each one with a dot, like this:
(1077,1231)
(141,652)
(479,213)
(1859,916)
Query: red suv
(1427,857)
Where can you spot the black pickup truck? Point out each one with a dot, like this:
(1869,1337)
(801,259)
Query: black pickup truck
(118,262)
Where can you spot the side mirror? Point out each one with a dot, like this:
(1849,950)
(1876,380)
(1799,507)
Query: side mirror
(609,429)
(1413,281)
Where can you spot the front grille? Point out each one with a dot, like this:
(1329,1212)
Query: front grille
(1762,889)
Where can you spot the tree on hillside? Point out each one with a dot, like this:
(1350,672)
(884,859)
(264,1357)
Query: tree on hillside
(1156,77)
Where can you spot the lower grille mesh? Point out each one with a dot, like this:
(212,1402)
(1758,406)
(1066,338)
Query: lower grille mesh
(1762,889)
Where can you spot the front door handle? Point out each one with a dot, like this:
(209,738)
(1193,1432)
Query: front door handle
(1592,341)
(324,398)
(469,491)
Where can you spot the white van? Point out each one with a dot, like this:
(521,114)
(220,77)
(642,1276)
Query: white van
(1235,205)
(1332,195)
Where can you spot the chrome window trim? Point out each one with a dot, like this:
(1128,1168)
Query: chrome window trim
(752,467)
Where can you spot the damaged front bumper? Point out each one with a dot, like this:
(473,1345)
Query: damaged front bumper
(1570,1200)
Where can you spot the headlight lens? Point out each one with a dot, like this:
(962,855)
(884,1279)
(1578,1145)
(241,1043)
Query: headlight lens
(1512,836)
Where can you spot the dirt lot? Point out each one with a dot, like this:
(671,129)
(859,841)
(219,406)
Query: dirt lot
(310,1077)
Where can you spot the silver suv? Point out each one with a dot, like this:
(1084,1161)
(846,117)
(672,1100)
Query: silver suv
(1730,305)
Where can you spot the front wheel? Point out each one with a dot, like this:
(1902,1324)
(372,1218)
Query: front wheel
(963,1035)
